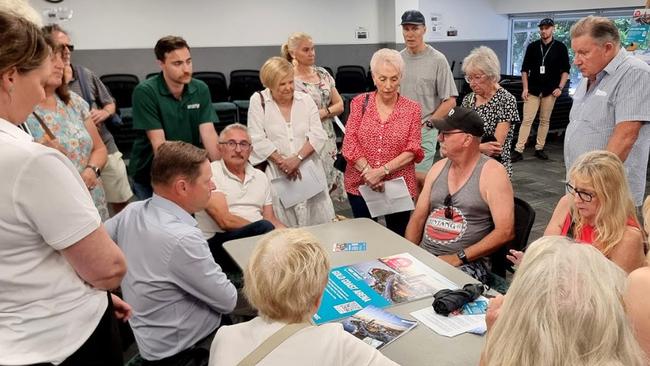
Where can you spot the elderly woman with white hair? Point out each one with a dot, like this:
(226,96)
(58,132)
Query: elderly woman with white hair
(382,140)
(563,308)
(286,131)
(284,280)
(495,105)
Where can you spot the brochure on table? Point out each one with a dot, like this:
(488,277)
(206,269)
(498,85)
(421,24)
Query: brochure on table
(377,327)
(382,282)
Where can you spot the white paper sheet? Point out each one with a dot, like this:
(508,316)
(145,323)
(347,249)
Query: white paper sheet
(394,198)
(449,326)
(293,192)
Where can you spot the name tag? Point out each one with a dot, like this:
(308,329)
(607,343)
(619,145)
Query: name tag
(600,93)
(542,70)
(194,106)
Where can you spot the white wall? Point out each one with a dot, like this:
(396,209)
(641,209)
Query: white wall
(124,24)
(543,6)
(473,19)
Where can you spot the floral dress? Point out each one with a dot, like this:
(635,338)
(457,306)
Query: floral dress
(67,124)
(502,107)
(320,92)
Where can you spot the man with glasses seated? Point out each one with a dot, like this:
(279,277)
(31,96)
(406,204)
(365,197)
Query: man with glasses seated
(241,205)
(466,208)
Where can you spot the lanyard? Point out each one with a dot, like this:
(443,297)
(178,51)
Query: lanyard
(542,50)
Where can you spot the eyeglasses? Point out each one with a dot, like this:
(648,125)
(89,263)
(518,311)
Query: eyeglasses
(244,145)
(470,78)
(584,196)
(449,214)
(444,134)
(70,47)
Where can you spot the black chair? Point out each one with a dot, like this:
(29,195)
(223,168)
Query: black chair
(216,82)
(243,83)
(524,220)
(329,69)
(351,79)
(121,87)
(370,84)
(124,134)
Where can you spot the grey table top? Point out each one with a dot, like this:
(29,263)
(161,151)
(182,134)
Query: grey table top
(420,346)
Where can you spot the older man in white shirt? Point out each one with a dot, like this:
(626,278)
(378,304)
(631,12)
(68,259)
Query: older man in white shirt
(241,206)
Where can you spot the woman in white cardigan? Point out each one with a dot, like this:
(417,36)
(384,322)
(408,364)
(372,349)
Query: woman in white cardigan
(284,281)
(286,131)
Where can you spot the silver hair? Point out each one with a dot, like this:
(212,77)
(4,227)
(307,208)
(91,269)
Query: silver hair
(234,126)
(483,59)
(601,29)
(387,56)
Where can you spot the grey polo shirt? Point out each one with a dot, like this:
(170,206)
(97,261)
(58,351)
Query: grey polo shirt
(177,291)
(100,98)
(621,93)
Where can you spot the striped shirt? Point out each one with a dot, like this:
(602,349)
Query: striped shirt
(621,93)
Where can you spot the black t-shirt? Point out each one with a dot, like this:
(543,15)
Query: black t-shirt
(556,62)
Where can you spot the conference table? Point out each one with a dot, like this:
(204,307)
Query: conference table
(421,345)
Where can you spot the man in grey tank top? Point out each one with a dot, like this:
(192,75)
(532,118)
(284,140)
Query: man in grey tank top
(466,209)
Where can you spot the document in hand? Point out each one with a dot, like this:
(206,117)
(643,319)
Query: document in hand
(394,198)
(292,192)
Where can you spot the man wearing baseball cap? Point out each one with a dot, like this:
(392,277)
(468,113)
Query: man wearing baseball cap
(428,80)
(466,208)
(544,73)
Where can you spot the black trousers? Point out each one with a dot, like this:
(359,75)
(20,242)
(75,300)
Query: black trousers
(103,348)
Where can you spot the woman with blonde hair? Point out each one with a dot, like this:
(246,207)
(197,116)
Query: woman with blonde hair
(286,131)
(563,308)
(319,84)
(598,210)
(284,280)
(637,295)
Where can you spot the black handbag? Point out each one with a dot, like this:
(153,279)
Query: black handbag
(340,163)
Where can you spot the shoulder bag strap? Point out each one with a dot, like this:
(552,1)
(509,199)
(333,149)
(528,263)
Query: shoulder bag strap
(262,101)
(271,343)
(365,104)
(46,129)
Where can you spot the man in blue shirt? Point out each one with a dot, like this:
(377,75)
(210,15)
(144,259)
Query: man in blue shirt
(177,291)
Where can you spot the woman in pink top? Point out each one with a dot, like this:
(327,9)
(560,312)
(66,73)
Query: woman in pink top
(598,210)
(382,139)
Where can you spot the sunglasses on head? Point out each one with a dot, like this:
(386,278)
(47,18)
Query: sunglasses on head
(449,214)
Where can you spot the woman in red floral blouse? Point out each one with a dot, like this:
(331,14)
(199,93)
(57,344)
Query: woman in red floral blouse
(382,140)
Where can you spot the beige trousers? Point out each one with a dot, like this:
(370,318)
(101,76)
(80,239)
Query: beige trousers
(545,106)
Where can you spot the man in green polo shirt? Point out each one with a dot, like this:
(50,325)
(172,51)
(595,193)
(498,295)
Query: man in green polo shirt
(170,106)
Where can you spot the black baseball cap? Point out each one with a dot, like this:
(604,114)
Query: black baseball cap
(464,119)
(412,17)
(546,21)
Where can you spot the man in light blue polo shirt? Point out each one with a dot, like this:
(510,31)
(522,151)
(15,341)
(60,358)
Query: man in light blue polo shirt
(611,106)
(177,291)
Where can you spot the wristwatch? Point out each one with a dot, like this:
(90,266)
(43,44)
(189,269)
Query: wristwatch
(95,169)
(300,157)
(462,256)
(429,123)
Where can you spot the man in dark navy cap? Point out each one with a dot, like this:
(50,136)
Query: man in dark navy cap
(544,73)
(428,80)
(466,209)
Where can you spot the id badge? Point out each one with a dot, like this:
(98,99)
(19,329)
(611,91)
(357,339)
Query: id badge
(542,70)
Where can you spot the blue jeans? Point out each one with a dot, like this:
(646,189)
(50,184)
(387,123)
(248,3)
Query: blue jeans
(142,191)
(395,222)
(216,242)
